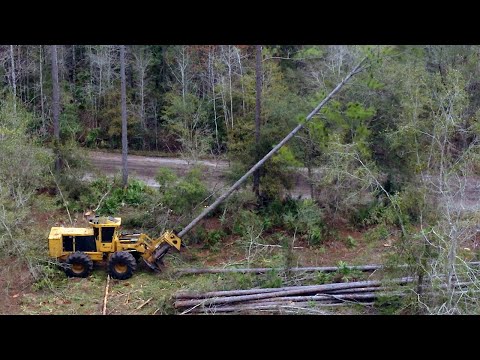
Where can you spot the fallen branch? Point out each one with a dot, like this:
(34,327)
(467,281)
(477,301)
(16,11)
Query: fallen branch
(103,197)
(104,312)
(143,304)
(276,246)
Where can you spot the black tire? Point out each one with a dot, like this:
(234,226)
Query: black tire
(136,255)
(78,264)
(122,265)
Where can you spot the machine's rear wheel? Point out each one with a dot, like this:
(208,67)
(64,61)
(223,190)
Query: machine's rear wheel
(122,265)
(79,264)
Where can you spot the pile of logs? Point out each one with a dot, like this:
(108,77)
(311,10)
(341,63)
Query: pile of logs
(276,299)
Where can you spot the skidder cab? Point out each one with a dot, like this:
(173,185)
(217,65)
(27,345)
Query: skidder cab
(78,248)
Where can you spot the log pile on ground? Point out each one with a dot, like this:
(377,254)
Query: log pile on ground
(293,297)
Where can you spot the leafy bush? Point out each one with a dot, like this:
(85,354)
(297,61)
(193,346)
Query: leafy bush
(350,242)
(275,210)
(271,280)
(213,239)
(107,194)
(181,195)
(308,221)
(345,273)
(323,278)
(378,233)
(365,214)
(247,222)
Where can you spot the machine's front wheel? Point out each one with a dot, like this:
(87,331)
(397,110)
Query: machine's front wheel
(79,264)
(122,265)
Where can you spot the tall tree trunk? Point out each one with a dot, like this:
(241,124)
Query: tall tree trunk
(124,118)
(74,65)
(258,108)
(156,123)
(14,80)
(41,91)
(241,80)
(211,61)
(56,106)
(229,65)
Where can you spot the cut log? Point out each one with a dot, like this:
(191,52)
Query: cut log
(325,287)
(323,297)
(298,290)
(357,290)
(271,306)
(265,270)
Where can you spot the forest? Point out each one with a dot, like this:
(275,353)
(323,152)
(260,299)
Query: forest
(381,185)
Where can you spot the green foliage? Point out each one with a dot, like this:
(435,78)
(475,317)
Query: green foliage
(323,278)
(247,223)
(24,168)
(243,281)
(70,126)
(389,304)
(213,239)
(271,279)
(285,157)
(228,210)
(186,118)
(13,123)
(350,242)
(309,222)
(273,212)
(345,273)
(110,120)
(310,52)
(377,233)
(48,276)
(91,140)
(182,195)
(110,196)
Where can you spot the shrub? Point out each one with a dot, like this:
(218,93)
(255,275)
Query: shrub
(247,222)
(350,242)
(309,222)
(213,239)
(181,195)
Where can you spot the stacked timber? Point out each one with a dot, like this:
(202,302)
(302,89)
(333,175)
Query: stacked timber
(276,299)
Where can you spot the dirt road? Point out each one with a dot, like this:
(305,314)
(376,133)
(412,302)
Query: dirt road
(213,173)
(145,168)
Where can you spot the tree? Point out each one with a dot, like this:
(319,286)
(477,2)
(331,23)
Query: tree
(143,60)
(14,81)
(124,118)
(55,105)
(258,107)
